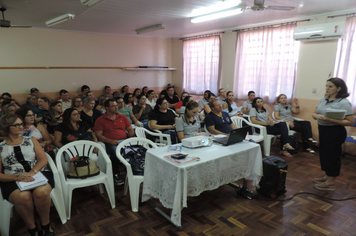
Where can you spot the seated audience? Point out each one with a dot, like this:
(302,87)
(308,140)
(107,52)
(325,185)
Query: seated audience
(171,98)
(151,98)
(247,105)
(115,95)
(9,109)
(260,116)
(6,95)
(35,92)
(144,90)
(186,100)
(283,111)
(107,92)
(202,102)
(126,111)
(89,115)
(207,108)
(84,89)
(101,106)
(91,94)
(54,116)
(180,103)
(230,106)
(38,131)
(110,128)
(124,90)
(189,124)
(1,100)
(163,93)
(31,103)
(77,103)
(136,92)
(162,118)
(12,150)
(71,129)
(128,99)
(142,111)
(222,96)
(218,121)
(43,105)
(66,101)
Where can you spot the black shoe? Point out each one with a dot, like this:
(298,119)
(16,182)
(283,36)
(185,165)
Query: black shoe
(118,181)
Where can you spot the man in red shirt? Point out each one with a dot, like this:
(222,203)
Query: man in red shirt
(110,128)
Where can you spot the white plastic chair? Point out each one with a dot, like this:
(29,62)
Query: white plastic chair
(133,181)
(291,132)
(84,148)
(161,140)
(238,121)
(56,196)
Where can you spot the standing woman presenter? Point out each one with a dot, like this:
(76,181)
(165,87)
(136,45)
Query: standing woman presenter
(332,132)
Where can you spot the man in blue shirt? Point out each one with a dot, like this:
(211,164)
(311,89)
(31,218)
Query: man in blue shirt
(217,121)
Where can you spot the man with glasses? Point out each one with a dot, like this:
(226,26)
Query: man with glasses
(126,111)
(218,121)
(111,128)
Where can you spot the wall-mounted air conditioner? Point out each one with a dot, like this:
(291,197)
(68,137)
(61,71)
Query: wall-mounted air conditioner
(333,30)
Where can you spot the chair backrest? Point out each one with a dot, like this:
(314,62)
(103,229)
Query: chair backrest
(164,139)
(273,115)
(132,141)
(80,148)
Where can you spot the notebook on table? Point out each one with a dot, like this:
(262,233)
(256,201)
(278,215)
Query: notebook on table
(236,136)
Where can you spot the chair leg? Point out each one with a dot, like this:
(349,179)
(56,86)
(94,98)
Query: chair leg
(267,147)
(59,204)
(5,217)
(134,195)
(126,187)
(111,194)
(69,203)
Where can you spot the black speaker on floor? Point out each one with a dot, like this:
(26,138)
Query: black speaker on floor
(274,177)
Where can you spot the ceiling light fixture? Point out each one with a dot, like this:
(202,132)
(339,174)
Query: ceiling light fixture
(149,28)
(60,20)
(223,5)
(217,15)
(89,3)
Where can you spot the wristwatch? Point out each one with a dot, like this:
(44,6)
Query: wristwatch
(36,171)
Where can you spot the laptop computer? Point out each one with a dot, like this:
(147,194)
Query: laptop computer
(236,136)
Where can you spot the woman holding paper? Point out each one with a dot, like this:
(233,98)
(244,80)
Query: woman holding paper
(20,159)
(332,132)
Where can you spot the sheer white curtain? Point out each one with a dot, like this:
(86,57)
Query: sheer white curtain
(201,58)
(266,62)
(346,68)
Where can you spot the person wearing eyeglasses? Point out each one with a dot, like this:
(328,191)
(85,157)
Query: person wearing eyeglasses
(20,159)
(32,103)
(9,109)
(111,128)
(77,103)
(123,110)
(128,99)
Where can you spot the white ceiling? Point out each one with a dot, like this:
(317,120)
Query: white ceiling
(125,16)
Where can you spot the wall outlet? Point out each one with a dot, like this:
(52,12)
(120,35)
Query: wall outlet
(74,84)
(227,86)
(314,90)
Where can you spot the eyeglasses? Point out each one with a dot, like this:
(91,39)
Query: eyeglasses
(17,125)
(30,115)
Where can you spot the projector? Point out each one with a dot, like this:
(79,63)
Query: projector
(198,141)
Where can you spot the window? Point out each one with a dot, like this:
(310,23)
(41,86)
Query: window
(346,61)
(266,62)
(201,68)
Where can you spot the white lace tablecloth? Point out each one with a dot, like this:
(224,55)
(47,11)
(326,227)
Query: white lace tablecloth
(172,183)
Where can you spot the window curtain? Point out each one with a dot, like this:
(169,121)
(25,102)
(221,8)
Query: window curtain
(266,62)
(201,64)
(346,68)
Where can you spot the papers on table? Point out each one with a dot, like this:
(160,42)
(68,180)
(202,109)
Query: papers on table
(335,113)
(40,180)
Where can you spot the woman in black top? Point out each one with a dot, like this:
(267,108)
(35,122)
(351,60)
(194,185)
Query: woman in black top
(54,116)
(142,110)
(89,114)
(72,129)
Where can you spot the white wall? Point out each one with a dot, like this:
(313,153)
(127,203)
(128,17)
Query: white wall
(39,47)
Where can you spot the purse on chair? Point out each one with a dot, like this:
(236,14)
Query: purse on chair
(82,167)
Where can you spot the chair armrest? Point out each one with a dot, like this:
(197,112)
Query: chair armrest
(297,119)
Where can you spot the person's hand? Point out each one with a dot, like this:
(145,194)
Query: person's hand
(95,150)
(24,177)
(114,142)
(173,126)
(291,124)
(295,100)
(143,106)
(320,117)
(137,124)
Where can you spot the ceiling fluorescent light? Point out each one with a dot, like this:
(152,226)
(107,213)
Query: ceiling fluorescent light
(217,15)
(149,28)
(216,7)
(60,20)
(89,3)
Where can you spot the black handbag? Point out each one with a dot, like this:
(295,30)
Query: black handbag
(135,155)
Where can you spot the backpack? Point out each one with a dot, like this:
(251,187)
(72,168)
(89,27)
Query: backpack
(294,143)
(135,155)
